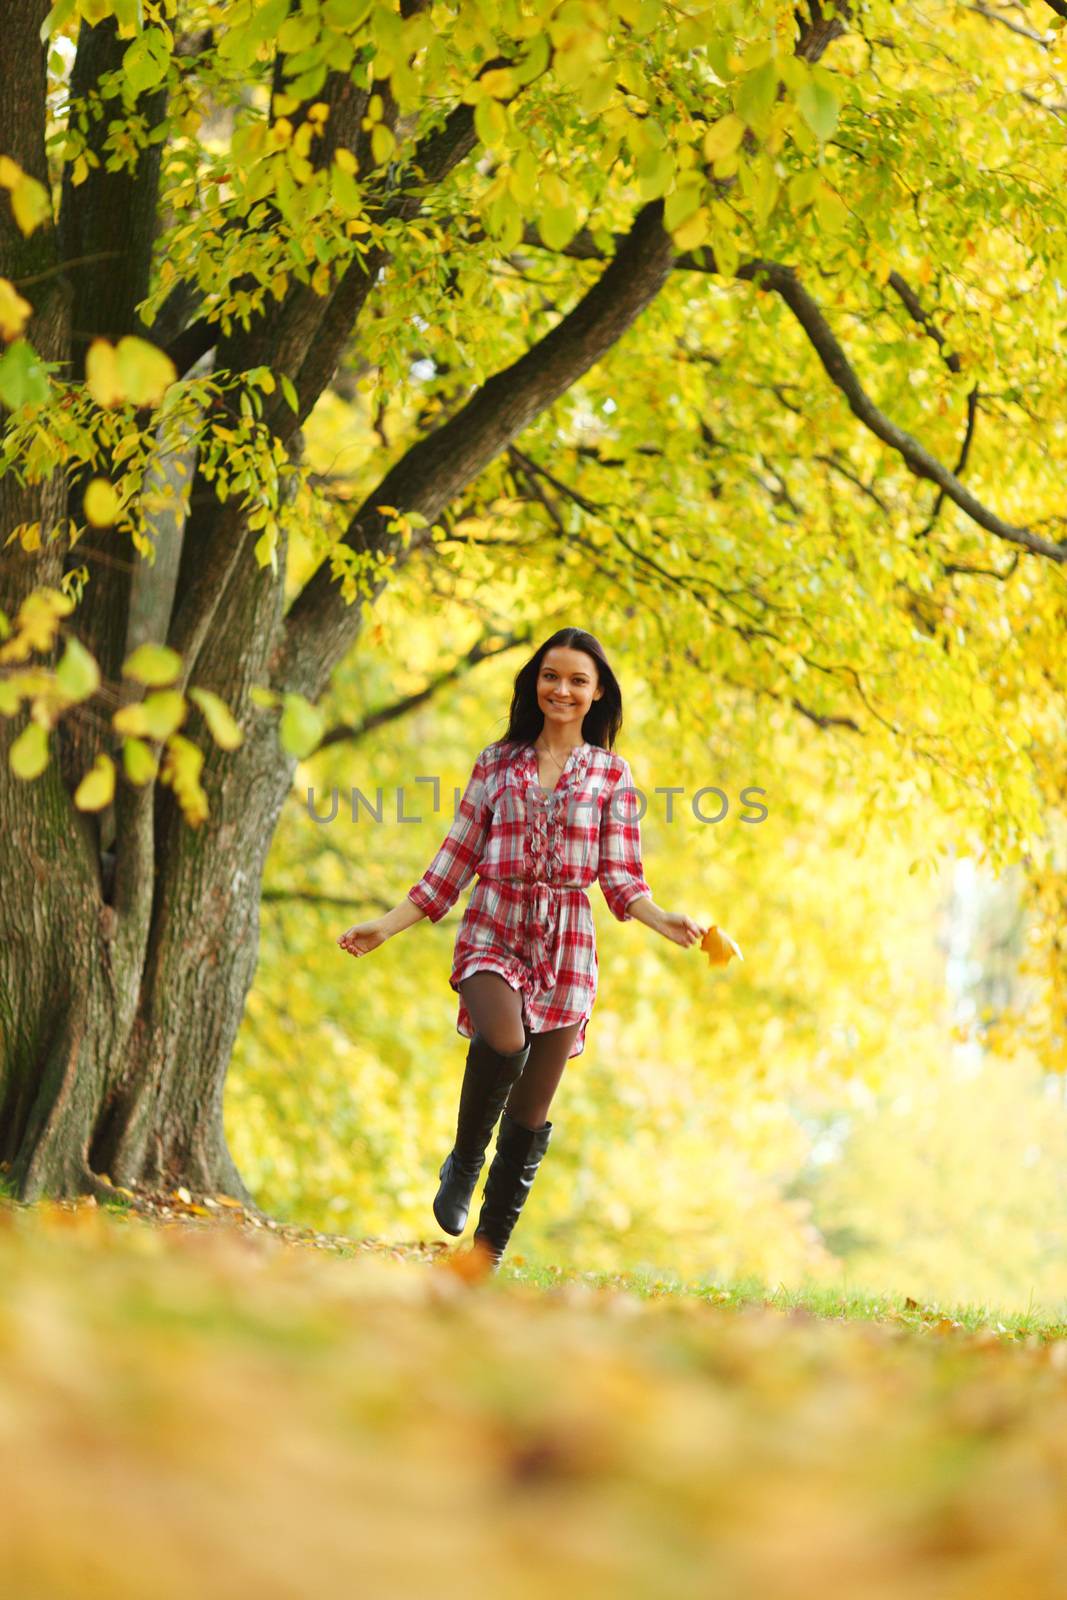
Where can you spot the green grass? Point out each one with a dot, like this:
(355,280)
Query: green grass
(817,1300)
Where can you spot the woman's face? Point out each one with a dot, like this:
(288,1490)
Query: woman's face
(567,685)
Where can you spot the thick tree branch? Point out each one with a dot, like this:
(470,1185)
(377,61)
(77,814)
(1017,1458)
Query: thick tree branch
(433,159)
(784,282)
(216,544)
(113,210)
(320,626)
(819,26)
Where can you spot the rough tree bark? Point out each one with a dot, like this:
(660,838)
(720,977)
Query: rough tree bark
(123,974)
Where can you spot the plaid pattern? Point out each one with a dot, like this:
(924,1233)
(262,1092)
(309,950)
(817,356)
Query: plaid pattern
(535,852)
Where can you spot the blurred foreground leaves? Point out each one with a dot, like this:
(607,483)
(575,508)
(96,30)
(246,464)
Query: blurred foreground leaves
(195,1404)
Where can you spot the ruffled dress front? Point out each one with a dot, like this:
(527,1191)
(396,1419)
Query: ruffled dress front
(535,852)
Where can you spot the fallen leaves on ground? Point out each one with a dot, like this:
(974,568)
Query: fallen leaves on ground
(198,1400)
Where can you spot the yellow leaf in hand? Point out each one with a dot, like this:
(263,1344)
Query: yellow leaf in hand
(719,947)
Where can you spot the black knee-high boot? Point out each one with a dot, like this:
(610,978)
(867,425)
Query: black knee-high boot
(518,1155)
(487,1079)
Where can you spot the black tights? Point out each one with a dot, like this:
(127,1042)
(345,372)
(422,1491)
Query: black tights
(495,1010)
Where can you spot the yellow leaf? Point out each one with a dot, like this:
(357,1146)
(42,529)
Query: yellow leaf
(101,374)
(97,788)
(28,755)
(155,717)
(181,770)
(164,711)
(145,371)
(153,664)
(382,143)
(219,718)
(30,201)
(131,370)
(723,137)
(28,535)
(693,231)
(138,760)
(719,947)
(830,208)
(14,310)
(36,623)
(101,503)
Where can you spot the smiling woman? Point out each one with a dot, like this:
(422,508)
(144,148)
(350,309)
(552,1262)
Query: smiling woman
(548,810)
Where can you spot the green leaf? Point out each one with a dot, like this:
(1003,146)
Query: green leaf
(491,123)
(289,392)
(682,202)
(301,726)
(146,61)
(60,14)
(755,94)
(818,105)
(77,674)
(22,377)
(558,225)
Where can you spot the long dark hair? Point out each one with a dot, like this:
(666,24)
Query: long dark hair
(603,719)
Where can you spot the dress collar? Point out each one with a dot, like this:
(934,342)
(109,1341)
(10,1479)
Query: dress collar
(573,770)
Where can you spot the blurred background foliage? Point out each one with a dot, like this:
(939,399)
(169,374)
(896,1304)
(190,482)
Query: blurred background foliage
(869,1099)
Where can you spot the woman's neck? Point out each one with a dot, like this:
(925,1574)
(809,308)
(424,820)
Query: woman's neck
(542,743)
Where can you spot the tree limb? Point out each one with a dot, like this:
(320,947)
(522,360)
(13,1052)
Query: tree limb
(319,625)
(482,650)
(784,282)
(919,314)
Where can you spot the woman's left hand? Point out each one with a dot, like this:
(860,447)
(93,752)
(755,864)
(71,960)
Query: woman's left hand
(681,929)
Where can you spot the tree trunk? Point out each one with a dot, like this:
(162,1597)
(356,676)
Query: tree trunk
(124,973)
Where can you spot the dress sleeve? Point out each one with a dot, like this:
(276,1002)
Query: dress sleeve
(619,870)
(452,868)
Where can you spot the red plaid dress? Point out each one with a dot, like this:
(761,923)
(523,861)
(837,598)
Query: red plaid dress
(535,852)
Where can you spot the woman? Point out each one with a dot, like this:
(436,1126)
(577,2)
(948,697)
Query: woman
(547,809)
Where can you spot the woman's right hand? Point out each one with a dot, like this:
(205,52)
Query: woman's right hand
(363,937)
